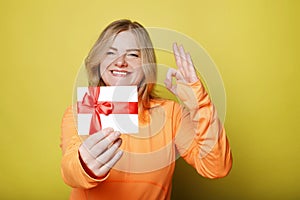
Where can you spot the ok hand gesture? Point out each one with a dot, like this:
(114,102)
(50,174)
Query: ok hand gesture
(185,73)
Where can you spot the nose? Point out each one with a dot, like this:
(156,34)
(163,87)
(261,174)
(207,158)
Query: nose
(121,61)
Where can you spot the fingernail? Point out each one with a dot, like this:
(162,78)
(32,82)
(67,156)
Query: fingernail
(117,134)
(107,131)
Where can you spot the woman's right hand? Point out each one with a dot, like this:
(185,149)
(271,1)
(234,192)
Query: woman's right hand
(99,152)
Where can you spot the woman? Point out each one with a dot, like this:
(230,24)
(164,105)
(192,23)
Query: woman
(108,165)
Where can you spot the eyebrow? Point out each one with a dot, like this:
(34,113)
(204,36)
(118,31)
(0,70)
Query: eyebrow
(115,49)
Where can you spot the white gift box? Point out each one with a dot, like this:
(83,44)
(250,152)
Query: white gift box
(119,119)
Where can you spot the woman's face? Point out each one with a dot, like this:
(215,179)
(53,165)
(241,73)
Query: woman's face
(122,64)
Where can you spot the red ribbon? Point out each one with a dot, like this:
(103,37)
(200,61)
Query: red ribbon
(90,104)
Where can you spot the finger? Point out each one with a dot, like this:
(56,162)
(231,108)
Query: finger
(174,73)
(106,168)
(109,153)
(101,146)
(182,72)
(84,154)
(168,81)
(177,55)
(190,62)
(173,89)
(95,138)
(183,61)
(189,59)
(191,69)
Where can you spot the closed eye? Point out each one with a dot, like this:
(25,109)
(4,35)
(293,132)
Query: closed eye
(133,55)
(110,53)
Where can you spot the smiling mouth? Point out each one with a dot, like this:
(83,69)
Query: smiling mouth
(119,73)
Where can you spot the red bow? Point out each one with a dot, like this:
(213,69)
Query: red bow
(90,104)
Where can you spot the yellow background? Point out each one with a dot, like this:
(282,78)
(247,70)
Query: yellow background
(255,45)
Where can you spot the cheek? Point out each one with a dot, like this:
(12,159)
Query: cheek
(136,64)
(103,67)
(104,73)
(105,64)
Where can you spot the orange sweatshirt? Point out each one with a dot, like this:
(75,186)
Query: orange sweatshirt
(192,131)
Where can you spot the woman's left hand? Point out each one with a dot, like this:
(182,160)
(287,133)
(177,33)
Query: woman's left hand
(186,71)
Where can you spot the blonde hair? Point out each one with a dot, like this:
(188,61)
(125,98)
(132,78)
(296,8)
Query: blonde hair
(105,40)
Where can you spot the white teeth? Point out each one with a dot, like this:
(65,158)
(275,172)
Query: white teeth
(119,73)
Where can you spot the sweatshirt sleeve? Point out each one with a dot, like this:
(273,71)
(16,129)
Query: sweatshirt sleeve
(200,136)
(72,171)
